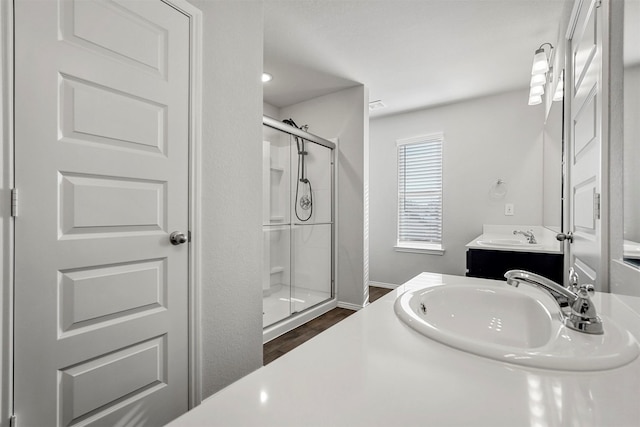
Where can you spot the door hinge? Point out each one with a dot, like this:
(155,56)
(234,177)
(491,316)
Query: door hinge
(12,421)
(596,205)
(598,4)
(14,202)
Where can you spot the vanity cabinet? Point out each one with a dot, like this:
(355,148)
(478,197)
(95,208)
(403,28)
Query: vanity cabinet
(492,264)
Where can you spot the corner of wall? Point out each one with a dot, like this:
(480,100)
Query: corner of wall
(231,237)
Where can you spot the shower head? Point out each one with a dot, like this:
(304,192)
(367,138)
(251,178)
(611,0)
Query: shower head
(290,122)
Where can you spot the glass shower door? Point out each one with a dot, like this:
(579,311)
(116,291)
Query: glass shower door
(297,224)
(312,218)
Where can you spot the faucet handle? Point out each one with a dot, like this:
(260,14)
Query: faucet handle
(583,315)
(573,280)
(586,290)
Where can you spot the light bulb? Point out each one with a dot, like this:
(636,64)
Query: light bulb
(536,91)
(540,64)
(538,80)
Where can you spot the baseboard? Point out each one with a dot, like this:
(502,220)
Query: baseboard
(382,285)
(349,306)
(299,319)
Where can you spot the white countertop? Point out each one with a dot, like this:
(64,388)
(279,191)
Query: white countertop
(546,239)
(373,370)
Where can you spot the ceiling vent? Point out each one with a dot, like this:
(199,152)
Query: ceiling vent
(376,105)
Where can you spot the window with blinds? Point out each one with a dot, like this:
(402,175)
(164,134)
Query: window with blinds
(420,193)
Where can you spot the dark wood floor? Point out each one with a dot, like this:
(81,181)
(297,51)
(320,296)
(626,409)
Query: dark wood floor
(287,342)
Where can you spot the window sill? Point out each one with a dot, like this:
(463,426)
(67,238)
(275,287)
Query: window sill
(420,249)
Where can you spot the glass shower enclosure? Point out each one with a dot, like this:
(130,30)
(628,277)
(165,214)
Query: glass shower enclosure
(298,222)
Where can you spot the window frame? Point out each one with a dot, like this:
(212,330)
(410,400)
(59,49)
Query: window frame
(416,246)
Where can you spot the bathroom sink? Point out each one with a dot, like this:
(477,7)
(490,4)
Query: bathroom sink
(514,325)
(507,242)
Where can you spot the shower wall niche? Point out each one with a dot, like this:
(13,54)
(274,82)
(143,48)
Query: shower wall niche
(298,222)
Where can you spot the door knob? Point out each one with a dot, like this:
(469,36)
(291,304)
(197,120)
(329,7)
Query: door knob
(562,237)
(177,238)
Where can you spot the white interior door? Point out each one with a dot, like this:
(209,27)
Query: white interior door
(585,148)
(101,161)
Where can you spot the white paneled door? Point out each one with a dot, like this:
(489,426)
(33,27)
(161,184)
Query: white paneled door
(586,147)
(101,167)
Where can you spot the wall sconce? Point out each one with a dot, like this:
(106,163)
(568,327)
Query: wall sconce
(539,74)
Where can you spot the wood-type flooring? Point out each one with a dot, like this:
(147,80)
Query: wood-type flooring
(287,342)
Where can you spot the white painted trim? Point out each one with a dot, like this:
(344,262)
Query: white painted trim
(414,247)
(383,285)
(274,331)
(350,306)
(573,22)
(433,137)
(195,195)
(6,230)
(605,8)
(336,220)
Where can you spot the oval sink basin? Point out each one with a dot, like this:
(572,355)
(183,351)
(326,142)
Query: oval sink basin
(507,243)
(512,325)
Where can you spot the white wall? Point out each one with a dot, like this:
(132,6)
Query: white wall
(271,111)
(344,115)
(231,303)
(486,139)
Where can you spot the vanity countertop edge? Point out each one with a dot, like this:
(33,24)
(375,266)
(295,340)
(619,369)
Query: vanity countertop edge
(546,239)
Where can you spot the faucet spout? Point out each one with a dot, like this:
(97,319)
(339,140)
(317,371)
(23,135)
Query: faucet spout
(528,234)
(581,314)
(515,277)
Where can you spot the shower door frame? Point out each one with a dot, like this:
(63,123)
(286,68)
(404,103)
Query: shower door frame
(276,329)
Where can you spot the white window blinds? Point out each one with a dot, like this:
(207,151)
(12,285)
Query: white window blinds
(420,192)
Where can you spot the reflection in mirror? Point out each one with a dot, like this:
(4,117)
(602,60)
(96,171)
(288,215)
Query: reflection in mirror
(552,168)
(631,58)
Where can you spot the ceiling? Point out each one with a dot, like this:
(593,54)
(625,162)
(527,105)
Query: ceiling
(410,54)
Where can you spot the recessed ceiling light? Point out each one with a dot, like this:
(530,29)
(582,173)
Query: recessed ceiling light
(376,105)
(266,77)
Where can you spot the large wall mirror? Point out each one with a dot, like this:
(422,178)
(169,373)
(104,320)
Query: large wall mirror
(631,60)
(552,165)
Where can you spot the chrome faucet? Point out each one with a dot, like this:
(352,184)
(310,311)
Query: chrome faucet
(581,313)
(528,234)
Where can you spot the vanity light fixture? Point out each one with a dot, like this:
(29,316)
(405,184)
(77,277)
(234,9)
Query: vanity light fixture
(537,80)
(539,71)
(266,77)
(535,100)
(536,91)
